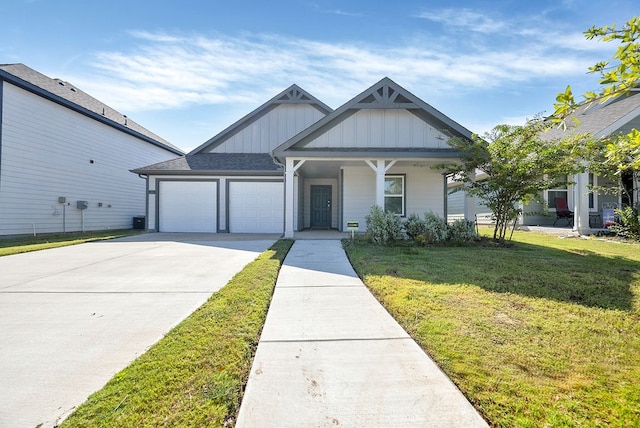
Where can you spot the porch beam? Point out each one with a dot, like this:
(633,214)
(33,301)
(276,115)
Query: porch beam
(296,166)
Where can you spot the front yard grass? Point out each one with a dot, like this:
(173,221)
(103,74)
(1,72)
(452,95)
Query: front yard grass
(23,244)
(543,333)
(194,376)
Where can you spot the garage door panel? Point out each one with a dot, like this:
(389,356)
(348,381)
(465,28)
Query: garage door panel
(188,206)
(256,207)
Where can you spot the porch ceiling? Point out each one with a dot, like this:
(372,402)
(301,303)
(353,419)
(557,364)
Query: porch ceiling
(331,168)
(321,169)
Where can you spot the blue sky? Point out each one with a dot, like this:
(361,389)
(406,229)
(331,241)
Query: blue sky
(187,69)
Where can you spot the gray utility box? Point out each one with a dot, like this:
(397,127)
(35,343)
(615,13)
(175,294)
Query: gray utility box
(82,205)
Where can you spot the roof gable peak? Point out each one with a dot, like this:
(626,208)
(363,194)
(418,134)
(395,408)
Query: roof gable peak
(385,94)
(292,95)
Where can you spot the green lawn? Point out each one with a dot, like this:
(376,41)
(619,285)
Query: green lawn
(195,375)
(543,333)
(23,244)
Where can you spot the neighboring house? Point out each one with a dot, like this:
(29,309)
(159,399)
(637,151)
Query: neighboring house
(616,116)
(58,146)
(294,164)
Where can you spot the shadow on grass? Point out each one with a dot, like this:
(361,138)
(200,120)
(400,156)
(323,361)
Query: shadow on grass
(573,276)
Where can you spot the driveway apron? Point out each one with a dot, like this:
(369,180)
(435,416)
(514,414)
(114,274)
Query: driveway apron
(72,317)
(330,355)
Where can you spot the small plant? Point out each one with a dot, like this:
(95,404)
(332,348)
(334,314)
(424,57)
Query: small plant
(430,230)
(629,225)
(435,229)
(414,226)
(383,227)
(463,230)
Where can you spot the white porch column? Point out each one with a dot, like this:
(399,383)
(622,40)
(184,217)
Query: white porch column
(380,168)
(470,203)
(290,201)
(289,212)
(581,203)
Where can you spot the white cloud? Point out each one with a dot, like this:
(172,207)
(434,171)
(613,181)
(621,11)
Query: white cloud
(343,13)
(165,71)
(464,19)
(498,29)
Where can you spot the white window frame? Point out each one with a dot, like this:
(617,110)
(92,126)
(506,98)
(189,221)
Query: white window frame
(399,195)
(568,189)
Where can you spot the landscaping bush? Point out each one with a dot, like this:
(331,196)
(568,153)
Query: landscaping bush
(383,228)
(435,229)
(414,226)
(629,225)
(463,230)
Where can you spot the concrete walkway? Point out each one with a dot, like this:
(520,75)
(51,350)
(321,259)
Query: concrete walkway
(330,355)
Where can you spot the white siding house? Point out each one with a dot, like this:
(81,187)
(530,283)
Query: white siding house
(58,146)
(617,116)
(295,164)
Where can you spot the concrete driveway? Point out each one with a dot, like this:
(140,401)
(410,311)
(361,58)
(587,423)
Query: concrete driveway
(71,317)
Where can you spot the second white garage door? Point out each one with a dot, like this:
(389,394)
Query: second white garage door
(188,206)
(256,207)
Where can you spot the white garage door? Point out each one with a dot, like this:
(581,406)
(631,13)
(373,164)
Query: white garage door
(188,206)
(256,207)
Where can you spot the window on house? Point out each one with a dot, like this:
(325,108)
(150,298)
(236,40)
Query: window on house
(559,191)
(394,194)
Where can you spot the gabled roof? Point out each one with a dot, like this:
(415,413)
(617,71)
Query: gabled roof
(601,120)
(386,94)
(69,96)
(218,163)
(292,95)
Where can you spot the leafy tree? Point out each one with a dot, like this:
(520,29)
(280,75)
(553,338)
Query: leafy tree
(617,154)
(517,162)
(617,78)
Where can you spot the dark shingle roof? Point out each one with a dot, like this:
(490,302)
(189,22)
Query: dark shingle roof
(67,94)
(601,120)
(215,163)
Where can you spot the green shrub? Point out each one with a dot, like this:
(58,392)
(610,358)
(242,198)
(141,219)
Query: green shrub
(430,230)
(435,229)
(414,226)
(463,230)
(629,225)
(383,228)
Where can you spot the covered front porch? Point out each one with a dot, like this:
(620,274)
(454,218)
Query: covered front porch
(328,193)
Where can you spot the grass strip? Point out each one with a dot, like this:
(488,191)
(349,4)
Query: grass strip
(24,244)
(195,375)
(543,333)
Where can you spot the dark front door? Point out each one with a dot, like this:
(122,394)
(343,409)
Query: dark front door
(321,206)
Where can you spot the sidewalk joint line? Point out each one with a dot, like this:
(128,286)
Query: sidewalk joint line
(321,286)
(364,339)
